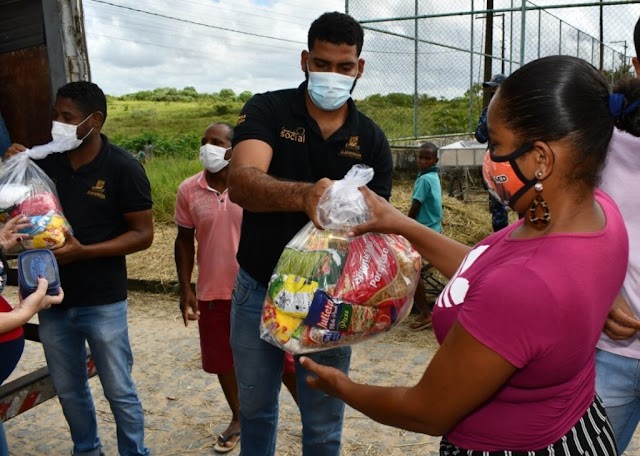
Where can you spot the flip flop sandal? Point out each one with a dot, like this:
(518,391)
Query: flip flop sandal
(420,325)
(221,447)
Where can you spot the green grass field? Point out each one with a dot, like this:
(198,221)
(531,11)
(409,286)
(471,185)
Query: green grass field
(165,175)
(174,121)
(174,127)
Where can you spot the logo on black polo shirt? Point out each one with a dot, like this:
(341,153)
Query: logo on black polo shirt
(97,191)
(241,118)
(352,148)
(298,135)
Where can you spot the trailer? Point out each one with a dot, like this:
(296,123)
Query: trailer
(461,162)
(42,47)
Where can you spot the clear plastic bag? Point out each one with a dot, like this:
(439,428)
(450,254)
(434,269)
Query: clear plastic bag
(342,205)
(328,289)
(26,189)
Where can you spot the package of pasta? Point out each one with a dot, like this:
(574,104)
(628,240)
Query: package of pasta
(329,289)
(26,189)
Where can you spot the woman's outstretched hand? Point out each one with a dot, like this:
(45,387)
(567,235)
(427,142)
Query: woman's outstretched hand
(10,235)
(384,217)
(328,379)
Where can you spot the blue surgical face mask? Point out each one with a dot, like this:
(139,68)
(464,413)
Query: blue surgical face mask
(329,91)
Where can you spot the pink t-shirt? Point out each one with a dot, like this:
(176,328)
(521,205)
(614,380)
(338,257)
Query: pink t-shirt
(217,221)
(541,304)
(620,180)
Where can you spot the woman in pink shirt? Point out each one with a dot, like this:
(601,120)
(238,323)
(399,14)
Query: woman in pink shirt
(521,315)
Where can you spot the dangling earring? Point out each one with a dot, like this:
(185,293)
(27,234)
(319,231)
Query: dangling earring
(542,220)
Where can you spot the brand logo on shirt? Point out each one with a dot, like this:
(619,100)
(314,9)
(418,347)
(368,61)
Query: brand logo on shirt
(456,290)
(97,191)
(241,119)
(352,148)
(298,135)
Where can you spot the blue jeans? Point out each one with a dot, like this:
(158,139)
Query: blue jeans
(499,214)
(259,372)
(63,333)
(618,385)
(4,449)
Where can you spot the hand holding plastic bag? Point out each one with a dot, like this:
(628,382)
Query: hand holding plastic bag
(342,205)
(26,189)
(329,290)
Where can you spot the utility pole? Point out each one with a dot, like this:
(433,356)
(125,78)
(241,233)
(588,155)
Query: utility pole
(502,44)
(601,66)
(488,49)
(502,50)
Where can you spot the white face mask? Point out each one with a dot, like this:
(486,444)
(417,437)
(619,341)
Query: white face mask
(65,136)
(212,157)
(329,91)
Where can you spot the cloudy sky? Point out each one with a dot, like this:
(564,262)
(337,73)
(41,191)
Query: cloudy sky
(255,44)
(241,44)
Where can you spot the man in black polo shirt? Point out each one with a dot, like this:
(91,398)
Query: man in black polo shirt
(106,196)
(288,147)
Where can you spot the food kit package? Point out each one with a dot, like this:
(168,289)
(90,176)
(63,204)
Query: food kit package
(26,189)
(329,289)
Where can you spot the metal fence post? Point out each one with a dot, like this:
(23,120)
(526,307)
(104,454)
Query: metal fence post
(471,67)
(578,45)
(523,29)
(539,30)
(415,75)
(560,39)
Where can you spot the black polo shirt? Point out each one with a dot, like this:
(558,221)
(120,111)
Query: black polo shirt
(94,199)
(300,153)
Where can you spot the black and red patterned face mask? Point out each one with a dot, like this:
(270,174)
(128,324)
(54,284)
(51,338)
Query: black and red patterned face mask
(503,176)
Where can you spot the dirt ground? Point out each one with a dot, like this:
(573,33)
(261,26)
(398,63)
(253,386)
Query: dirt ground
(185,408)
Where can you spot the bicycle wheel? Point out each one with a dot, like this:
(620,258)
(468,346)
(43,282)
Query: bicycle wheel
(432,285)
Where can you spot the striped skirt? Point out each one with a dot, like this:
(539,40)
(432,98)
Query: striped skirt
(591,436)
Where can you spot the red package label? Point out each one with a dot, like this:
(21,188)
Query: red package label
(370,267)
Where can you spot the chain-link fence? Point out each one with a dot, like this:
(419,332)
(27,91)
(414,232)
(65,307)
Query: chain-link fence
(426,60)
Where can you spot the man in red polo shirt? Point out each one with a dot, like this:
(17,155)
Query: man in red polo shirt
(204,213)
